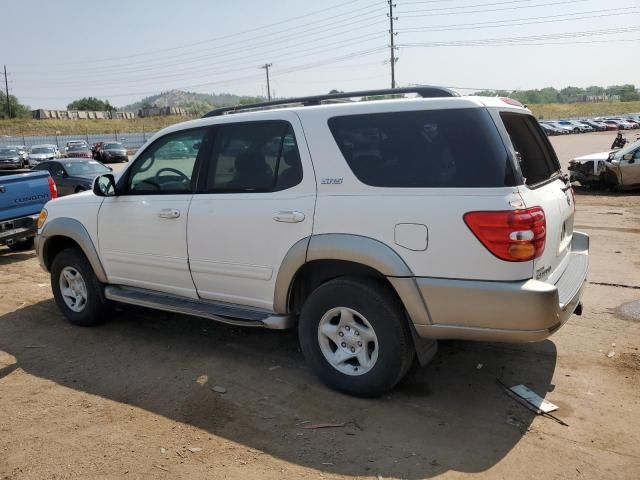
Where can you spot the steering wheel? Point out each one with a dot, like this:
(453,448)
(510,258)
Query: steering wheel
(171,170)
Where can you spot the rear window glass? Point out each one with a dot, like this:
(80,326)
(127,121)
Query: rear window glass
(533,151)
(435,148)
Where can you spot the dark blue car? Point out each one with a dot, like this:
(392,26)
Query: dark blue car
(73,175)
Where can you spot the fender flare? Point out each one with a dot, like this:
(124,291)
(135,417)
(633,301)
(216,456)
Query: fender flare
(357,249)
(74,230)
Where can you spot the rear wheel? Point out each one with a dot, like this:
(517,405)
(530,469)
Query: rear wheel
(355,336)
(576,130)
(76,289)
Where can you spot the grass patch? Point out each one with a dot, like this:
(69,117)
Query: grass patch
(569,110)
(26,127)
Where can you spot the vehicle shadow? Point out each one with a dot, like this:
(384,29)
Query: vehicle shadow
(451,415)
(7,257)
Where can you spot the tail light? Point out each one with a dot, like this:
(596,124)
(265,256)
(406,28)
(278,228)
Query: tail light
(53,190)
(511,235)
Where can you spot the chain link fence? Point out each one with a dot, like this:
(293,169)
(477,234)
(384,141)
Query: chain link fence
(131,141)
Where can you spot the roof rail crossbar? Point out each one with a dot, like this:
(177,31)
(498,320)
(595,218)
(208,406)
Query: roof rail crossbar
(425,91)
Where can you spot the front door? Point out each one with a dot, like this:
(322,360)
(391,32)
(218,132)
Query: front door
(257,201)
(142,231)
(630,168)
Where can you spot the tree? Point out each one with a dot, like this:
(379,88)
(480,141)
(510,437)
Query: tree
(92,104)
(17,109)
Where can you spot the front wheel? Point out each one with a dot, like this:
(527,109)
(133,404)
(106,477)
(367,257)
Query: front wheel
(355,336)
(76,289)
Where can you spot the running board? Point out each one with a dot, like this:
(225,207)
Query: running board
(220,312)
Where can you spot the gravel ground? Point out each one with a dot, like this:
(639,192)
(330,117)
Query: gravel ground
(139,397)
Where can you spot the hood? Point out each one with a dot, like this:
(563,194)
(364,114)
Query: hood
(41,156)
(115,150)
(593,156)
(10,157)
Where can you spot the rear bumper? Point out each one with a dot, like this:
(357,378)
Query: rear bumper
(18,229)
(525,311)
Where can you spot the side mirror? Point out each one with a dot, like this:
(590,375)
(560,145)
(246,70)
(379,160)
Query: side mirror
(105,185)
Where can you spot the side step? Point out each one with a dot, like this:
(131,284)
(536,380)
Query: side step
(220,312)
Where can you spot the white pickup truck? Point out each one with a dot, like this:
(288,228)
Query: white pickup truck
(373,227)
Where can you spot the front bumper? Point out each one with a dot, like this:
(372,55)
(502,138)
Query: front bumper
(525,311)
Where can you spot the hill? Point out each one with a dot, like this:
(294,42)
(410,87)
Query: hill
(195,103)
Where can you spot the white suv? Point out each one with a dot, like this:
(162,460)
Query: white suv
(373,227)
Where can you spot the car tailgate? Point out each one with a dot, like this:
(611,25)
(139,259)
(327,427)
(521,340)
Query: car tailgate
(23,194)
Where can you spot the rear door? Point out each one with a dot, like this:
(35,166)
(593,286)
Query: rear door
(546,187)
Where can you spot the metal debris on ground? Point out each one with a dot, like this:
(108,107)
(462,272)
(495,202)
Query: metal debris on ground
(479,366)
(219,389)
(531,400)
(316,426)
(611,354)
(194,449)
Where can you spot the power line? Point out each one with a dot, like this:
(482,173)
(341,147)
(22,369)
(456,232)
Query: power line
(163,52)
(557,4)
(507,40)
(521,21)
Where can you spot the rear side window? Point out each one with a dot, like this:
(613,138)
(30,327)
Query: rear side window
(433,148)
(254,157)
(533,151)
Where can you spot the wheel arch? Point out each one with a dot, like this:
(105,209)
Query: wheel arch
(319,258)
(61,233)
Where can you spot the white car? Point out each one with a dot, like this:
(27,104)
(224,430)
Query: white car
(41,153)
(370,226)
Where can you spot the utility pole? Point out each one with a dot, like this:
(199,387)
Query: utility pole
(393,59)
(266,67)
(6,87)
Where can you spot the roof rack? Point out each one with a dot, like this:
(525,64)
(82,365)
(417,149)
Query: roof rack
(423,91)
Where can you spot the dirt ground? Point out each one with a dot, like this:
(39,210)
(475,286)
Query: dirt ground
(135,398)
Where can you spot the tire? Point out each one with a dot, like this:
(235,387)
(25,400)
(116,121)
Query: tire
(22,245)
(576,130)
(351,309)
(92,310)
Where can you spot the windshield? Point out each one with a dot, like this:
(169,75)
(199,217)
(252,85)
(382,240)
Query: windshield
(113,146)
(8,151)
(617,155)
(77,147)
(85,168)
(42,150)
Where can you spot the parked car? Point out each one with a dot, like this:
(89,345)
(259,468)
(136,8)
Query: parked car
(371,251)
(78,150)
(626,122)
(73,175)
(10,158)
(619,124)
(24,153)
(575,126)
(112,152)
(22,196)
(41,153)
(624,166)
(563,128)
(71,143)
(597,126)
(590,170)
(550,130)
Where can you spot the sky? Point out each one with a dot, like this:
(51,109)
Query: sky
(121,51)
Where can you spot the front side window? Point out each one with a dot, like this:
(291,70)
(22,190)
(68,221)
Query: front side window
(168,165)
(254,157)
(428,148)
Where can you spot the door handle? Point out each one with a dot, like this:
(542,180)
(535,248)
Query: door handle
(289,216)
(169,213)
